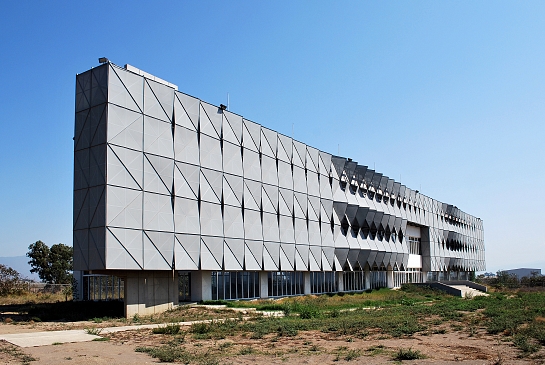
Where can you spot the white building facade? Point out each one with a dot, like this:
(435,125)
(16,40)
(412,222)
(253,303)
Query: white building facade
(169,188)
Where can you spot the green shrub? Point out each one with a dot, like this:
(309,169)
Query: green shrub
(169,329)
(408,354)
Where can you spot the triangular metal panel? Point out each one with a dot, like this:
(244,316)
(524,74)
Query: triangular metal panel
(211,185)
(215,246)
(192,246)
(158,174)
(186,111)
(251,165)
(270,227)
(285,176)
(269,174)
(208,261)
(299,180)
(182,259)
(162,244)
(210,153)
(314,236)
(235,123)
(124,208)
(158,100)
(210,120)
(253,228)
(124,249)
(211,219)
(232,159)
(125,89)
(287,252)
(233,225)
(315,258)
(251,133)
(303,252)
(286,144)
(158,213)
(186,146)
(273,250)
(158,138)
(229,260)
(125,167)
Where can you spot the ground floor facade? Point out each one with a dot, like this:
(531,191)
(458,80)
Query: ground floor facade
(151,292)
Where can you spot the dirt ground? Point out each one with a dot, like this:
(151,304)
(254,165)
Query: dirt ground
(311,347)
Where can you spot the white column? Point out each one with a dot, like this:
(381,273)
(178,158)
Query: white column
(263,284)
(367,278)
(201,285)
(306,280)
(390,278)
(340,281)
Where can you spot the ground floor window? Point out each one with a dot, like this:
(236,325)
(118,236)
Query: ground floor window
(448,275)
(407,277)
(235,285)
(378,279)
(184,286)
(284,283)
(323,282)
(102,287)
(354,281)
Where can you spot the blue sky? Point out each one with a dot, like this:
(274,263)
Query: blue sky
(448,96)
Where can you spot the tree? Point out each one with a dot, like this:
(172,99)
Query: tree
(10,281)
(54,264)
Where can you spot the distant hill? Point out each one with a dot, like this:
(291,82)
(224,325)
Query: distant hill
(20,264)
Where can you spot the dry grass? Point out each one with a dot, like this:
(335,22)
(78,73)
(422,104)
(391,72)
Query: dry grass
(34,298)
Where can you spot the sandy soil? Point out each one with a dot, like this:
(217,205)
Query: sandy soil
(306,348)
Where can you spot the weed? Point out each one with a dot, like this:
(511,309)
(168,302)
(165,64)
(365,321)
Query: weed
(352,355)
(225,345)
(101,339)
(246,350)
(136,318)
(56,343)
(97,320)
(17,354)
(407,354)
(93,331)
(375,350)
(169,329)
(167,353)
(314,348)
(524,345)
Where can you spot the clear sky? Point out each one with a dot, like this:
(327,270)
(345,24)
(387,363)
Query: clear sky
(448,96)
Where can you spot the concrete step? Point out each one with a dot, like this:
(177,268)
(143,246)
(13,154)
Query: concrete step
(467,291)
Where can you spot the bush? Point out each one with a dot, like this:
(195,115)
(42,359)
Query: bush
(169,329)
(408,354)
(10,281)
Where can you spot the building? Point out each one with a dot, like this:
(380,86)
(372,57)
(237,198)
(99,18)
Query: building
(524,272)
(170,189)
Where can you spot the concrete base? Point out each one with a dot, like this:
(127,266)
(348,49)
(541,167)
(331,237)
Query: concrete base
(150,292)
(201,285)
